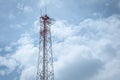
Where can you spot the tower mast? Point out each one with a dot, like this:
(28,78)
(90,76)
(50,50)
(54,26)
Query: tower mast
(45,68)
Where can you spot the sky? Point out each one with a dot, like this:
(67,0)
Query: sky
(85,38)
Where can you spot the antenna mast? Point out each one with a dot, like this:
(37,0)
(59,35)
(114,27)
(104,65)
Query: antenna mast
(45,68)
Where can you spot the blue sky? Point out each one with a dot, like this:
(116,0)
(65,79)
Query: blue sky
(85,38)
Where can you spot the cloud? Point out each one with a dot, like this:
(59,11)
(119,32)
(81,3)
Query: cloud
(83,69)
(92,40)
(26,52)
(26,56)
(88,51)
(28,73)
(110,71)
(8,64)
(23,59)
(58,28)
(84,51)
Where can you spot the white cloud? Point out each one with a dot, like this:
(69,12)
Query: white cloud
(9,63)
(111,71)
(24,58)
(28,73)
(85,51)
(91,46)
(26,52)
(92,40)
(62,29)
(88,50)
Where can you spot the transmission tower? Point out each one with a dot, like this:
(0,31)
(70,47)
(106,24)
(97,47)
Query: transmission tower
(45,68)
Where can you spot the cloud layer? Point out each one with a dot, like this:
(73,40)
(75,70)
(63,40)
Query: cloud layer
(88,51)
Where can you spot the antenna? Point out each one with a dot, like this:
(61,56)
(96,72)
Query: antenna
(45,68)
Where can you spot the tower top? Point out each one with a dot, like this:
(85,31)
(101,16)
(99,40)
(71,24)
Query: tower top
(46,19)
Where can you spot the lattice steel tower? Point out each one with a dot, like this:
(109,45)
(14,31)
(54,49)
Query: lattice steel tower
(45,68)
